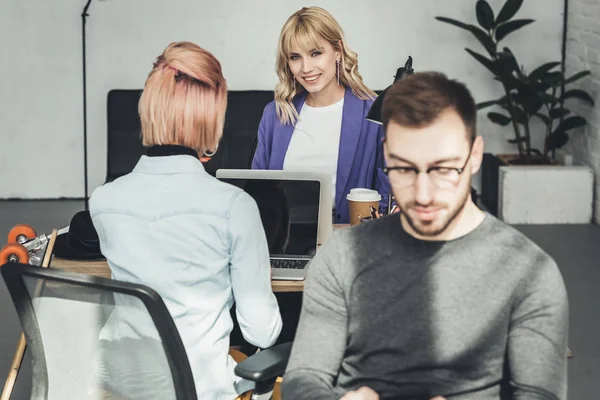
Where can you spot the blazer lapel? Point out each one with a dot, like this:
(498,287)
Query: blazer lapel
(351,128)
(283,135)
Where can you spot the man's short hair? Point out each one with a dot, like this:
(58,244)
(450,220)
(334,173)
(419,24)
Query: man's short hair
(417,101)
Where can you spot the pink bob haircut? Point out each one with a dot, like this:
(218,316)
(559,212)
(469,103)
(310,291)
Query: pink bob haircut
(184,99)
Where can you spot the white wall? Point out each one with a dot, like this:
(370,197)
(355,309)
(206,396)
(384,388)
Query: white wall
(40,99)
(41,93)
(583,53)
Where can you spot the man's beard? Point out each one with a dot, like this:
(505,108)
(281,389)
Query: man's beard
(437,226)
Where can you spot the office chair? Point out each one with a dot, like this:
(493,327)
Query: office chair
(63,315)
(124,144)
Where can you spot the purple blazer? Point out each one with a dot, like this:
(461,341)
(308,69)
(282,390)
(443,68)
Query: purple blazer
(360,159)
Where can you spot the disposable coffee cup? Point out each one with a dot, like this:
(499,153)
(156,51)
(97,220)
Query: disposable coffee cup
(360,201)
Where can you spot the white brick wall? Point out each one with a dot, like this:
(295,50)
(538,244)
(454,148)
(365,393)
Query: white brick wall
(583,52)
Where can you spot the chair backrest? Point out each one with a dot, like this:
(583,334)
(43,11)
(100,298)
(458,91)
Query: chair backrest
(124,144)
(96,338)
(124,141)
(244,111)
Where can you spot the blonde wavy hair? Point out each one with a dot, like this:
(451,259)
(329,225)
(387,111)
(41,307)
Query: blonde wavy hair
(309,26)
(184,99)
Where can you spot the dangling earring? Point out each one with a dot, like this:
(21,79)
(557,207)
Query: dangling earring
(208,154)
(337,63)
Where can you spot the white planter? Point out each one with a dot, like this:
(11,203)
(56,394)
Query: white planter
(545,194)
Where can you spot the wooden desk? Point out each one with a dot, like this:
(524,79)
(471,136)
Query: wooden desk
(100,268)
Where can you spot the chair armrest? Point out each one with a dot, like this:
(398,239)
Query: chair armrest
(266,364)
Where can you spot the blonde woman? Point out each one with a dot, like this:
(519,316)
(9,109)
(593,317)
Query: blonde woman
(317,120)
(195,240)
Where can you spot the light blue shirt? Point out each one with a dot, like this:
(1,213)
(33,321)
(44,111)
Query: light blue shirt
(200,244)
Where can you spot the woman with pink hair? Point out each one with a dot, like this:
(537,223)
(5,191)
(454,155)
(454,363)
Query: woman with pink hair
(197,241)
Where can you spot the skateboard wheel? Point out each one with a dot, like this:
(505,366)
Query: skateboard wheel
(21,233)
(14,252)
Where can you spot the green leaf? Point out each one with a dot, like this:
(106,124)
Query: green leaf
(511,82)
(484,39)
(577,76)
(489,64)
(559,137)
(552,79)
(548,98)
(509,10)
(511,26)
(556,113)
(485,104)
(544,118)
(481,35)
(578,94)
(556,140)
(570,123)
(485,15)
(517,114)
(537,73)
(507,63)
(498,118)
(453,22)
(528,98)
(507,52)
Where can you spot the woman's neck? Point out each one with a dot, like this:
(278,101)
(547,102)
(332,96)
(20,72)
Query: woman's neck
(326,97)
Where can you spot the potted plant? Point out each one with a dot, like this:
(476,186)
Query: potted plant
(539,94)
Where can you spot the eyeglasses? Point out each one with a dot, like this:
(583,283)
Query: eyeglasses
(440,177)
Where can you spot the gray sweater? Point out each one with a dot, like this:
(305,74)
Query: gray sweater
(467,318)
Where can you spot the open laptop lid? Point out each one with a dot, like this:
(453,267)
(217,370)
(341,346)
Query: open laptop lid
(289,210)
(325,218)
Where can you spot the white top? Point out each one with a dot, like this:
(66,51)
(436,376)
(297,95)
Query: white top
(316,140)
(200,244)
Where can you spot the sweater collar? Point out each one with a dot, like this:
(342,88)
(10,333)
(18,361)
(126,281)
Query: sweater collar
(170,150)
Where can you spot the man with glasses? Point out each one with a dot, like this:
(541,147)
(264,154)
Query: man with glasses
(441,299)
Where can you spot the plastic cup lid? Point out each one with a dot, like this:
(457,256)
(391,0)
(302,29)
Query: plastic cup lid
(363,194)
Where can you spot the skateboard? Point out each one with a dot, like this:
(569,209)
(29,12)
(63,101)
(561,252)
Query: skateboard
(26,247)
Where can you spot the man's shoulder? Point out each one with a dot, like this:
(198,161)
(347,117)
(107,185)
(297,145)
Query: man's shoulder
(508,234)
(515,244)
(339,250)
(360,242)
(367,232)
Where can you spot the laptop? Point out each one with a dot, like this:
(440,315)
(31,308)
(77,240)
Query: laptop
(289,206)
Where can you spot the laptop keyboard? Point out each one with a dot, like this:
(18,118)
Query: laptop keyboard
(288,263)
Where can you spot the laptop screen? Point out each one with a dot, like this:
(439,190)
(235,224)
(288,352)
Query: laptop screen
(289,210)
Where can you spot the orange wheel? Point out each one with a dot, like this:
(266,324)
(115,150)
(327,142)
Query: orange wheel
(21,233)
(14,252)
